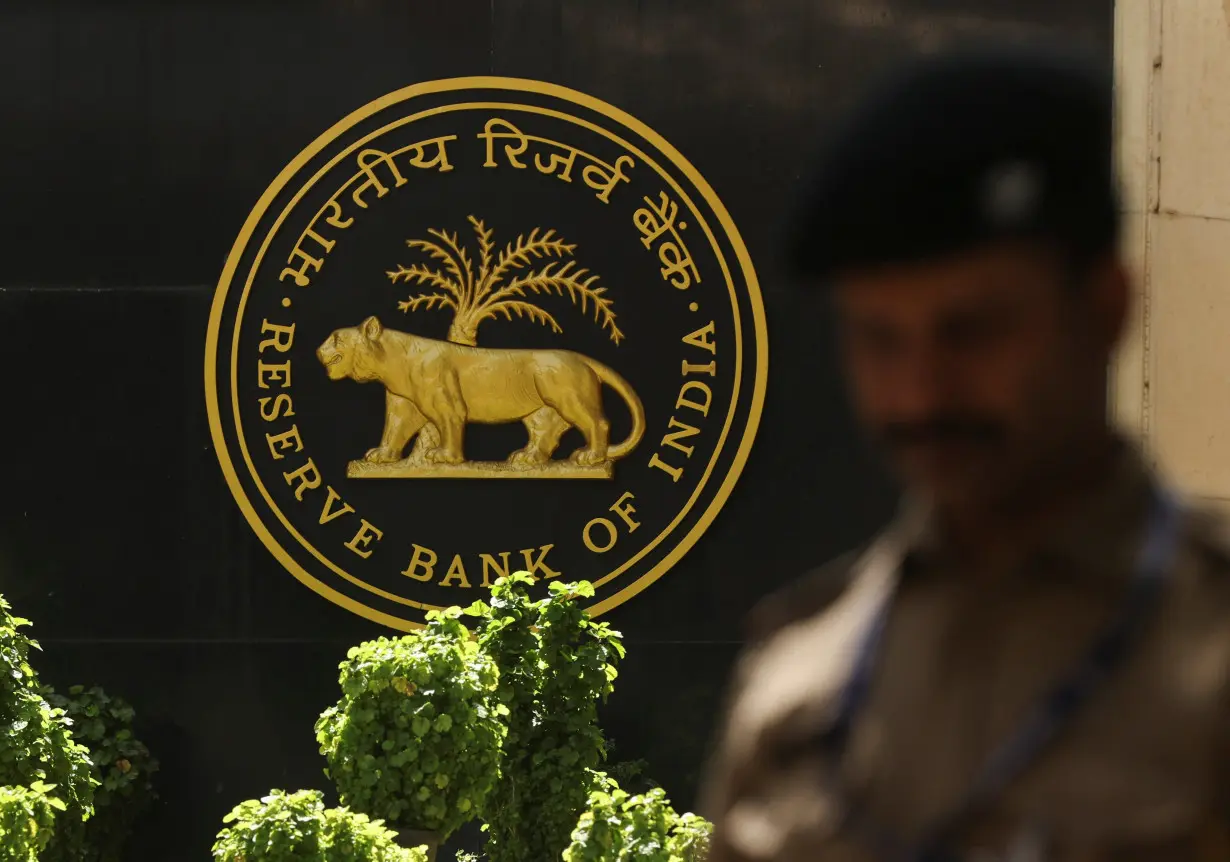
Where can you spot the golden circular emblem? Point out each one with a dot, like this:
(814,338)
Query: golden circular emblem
(484,325)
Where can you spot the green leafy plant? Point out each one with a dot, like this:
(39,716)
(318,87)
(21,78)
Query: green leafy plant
(27,818)
(629,774)
(415,739)
(37,744)
(690,837)
(296,827)
(619,827)
(123,768)
(556,665)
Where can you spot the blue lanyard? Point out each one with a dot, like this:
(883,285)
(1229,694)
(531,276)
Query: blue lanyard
(1051,713)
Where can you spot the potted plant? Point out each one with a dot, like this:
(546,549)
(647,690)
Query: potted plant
(123,768)
(296,827)
(27,817)
(619,827)
(556,666)
(415,739)
(37,746)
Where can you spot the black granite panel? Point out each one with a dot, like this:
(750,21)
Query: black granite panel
(136,138)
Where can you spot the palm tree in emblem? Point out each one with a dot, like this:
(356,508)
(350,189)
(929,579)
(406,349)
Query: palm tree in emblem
(505,283)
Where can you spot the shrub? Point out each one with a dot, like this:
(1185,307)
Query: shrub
(415,739)
(27,818)
(619,827)
(690,837)
(628,774)
(556,665)
(37,745)
(296,827)
(122,766)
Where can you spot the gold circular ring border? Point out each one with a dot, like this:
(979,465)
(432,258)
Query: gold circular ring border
(671,179)
(698,182)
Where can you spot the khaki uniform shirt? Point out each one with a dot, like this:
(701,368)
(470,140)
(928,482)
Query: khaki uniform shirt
(1139,773)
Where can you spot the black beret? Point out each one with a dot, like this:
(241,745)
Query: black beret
(960,150)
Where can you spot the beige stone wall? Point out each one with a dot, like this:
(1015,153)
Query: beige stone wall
(1172,381)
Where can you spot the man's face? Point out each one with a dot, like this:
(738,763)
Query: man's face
(977,371)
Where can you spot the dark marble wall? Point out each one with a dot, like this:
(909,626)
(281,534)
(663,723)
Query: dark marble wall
(135,138)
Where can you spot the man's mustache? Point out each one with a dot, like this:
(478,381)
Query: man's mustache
(941,429)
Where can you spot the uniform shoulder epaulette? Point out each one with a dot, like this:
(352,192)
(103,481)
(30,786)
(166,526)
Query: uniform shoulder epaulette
(802,598)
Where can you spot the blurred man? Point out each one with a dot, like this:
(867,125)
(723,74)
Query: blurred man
(1031,662)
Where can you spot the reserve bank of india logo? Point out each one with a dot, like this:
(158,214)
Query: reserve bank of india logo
(479,326)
